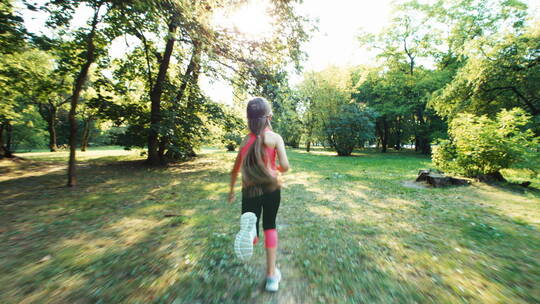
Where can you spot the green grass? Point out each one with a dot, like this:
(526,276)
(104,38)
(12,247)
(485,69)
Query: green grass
(350,232)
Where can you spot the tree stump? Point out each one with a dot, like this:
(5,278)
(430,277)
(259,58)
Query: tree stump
(439,180)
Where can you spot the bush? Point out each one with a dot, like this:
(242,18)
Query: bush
(444,156)
(483,146)
(232,140)
(352,127)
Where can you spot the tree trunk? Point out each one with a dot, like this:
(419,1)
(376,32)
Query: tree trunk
(192,71)
(378,133)
(78,85)
(2,150)
(86,134)
(417,135)
(155,98)
(162,148)
(421,137)
(384,138)
(191,78)
(9,135)
(426,146)
(49,113)
(439,180)
(51,124)
(398,134)
(308,139)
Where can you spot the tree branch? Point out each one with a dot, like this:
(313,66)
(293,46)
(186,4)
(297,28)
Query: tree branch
(527,102)
(141,37)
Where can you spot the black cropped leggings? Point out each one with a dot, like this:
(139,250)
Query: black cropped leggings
(268,203)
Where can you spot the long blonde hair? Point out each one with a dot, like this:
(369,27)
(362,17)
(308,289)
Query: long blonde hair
(255,174)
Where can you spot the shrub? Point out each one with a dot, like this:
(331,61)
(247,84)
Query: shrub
(232,140)
(483,146)
(444,156)
(354,125)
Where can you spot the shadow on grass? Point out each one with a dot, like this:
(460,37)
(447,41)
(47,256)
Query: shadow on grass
(43,220)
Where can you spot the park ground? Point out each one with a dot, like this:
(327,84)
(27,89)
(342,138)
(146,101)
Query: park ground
(352,230)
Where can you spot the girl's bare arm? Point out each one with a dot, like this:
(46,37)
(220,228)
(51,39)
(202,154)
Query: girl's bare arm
(282,155)
(235,170)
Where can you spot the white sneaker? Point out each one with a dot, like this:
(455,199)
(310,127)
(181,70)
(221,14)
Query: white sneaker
(272,283)
(243,244)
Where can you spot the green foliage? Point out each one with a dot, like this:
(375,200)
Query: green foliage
(444,156)
(453,34)
(505,74)
(322,95)
(230,124)
(22,76)
(400,99)
(12,30)
(351,128)
(232,140)
(480,145)
(287,122)
(29,131)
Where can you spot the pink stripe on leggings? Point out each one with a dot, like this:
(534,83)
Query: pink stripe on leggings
(270,238)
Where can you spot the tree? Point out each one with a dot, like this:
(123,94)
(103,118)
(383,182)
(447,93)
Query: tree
(155,95)
(12,82)
(287,121)
(177,107)
(504,76)
(351,128)
(274,85)
(309,110)
(87,45)
(439,32)
(89,56)
(49,91)
(13,37)
(329,114)
(406,41)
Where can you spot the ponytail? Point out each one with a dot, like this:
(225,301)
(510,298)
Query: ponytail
(255,174)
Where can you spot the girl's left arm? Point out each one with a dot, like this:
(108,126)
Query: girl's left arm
(235,170)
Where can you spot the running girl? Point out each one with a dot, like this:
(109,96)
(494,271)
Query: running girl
(260,186)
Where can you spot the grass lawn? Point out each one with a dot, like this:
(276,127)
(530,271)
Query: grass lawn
(350,232)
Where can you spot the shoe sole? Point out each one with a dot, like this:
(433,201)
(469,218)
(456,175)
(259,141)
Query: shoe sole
(243,243)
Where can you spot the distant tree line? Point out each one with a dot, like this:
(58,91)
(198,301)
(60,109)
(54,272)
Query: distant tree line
(441,69)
